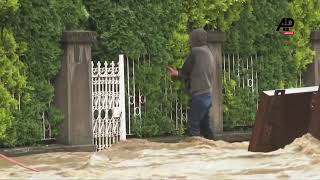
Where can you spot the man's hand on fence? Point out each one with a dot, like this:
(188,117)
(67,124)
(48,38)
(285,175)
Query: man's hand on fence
(172,72)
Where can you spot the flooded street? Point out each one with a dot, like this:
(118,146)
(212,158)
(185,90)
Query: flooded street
(189,159)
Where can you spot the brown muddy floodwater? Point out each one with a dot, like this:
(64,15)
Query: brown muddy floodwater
(191,158)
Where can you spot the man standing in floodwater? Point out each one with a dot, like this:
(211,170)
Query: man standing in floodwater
(197,72)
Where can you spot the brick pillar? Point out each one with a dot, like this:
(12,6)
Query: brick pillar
(312,74)
(73,89)
(215,41)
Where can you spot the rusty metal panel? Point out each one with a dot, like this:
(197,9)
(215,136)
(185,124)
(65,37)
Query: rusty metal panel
(282,116)
(314,125)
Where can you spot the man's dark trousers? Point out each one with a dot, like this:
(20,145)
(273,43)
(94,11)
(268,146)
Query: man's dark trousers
(198,117)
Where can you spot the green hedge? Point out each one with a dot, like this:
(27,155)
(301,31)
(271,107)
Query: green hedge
(12,78)
(31,52)
(37,27)
(137,29)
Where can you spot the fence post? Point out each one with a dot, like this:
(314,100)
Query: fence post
(312,74)
(122,96)
(215,41)
(73,89)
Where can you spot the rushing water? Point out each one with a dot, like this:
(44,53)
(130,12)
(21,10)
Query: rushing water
(191,158)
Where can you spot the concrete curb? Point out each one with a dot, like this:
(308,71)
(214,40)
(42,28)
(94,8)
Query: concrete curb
(11,152)
(233,136)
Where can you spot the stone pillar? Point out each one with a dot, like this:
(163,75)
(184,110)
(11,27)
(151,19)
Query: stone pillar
(215,41)
(312,74)
(73,89)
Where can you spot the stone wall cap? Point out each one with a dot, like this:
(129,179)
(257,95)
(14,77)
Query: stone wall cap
(79,36)
(215,36)
(315,36)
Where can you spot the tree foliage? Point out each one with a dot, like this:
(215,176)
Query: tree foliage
(12,79)
(132,27)
(38,27)
(217,15)
(307,19)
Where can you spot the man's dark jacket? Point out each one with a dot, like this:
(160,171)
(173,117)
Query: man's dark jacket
(198,68)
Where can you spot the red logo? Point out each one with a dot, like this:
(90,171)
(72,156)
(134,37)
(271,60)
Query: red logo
(287,33)
(285,24)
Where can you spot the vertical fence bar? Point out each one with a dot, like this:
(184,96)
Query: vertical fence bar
(257,85)
(181,116)
(145,105)
(145,100)
(171,106)
(239,78)
(107,83)
(229,67)
(186,117)
(166,93)
(144,97)
(92,98)
(247,69)
(112,79)
(106,103)
(176,112)
(139,110)
(93,101)
(232,62)
(134,91)
(104,125)
(300,79)
(118,104)
(252,79)
(43,126)
(224,67)
(96,99)
(128,96)
(243,75)
(139,95)
(99,116)
(122,99)
(234,88)
(49,129)
(19,101)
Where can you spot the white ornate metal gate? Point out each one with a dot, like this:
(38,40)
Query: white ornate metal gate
(108,103)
